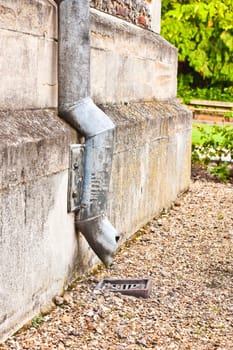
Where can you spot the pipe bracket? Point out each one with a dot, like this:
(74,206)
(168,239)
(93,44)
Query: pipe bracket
(75,180)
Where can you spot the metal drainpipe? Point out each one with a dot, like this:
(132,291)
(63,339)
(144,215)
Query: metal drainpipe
(76,107)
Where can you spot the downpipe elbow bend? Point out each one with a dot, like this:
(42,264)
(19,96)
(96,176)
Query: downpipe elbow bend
(91,219)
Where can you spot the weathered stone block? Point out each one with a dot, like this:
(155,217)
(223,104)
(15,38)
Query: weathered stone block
(28,60)
(36,144)
(129,63)
(38,248)
(151,163)
(29,17)
(38,243)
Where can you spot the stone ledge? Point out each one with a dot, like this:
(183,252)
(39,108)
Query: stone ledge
(142,122)
(34,143)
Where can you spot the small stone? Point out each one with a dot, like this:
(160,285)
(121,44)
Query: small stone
(67,299)
(74,332)
(61,346)
(141,341)
(97,292)
(99,330)
(120,333)
(142,20)
(66,319)
(90,313)
(58,300)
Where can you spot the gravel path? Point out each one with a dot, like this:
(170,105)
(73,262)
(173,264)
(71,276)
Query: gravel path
(188,254)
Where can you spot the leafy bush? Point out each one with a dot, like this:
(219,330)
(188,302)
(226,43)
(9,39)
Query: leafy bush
(186,90)
(199,129)
(215,151)
(203,33)
(228,115)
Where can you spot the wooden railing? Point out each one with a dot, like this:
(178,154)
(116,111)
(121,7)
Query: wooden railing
(204,109)
(206,103)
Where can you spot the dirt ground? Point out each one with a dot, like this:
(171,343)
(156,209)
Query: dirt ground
(187,252)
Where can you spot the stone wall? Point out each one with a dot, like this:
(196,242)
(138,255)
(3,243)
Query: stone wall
(133,79)
(38,243)
(134,11)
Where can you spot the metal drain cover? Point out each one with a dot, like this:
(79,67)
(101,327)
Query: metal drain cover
(134,287)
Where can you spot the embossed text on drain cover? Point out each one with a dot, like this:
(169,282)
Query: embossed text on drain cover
(135,287)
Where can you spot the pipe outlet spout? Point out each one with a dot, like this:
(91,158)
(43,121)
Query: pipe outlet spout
(101,236)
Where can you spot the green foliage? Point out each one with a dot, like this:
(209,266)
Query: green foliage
(199,130)
(214,93)
(222,171)
(36,322)
(203,33)
(216,146)
(228,115)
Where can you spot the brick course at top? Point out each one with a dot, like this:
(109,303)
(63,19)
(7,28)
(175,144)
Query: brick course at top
(134,11)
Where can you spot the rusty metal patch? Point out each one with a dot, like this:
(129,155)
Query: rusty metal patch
(134,287)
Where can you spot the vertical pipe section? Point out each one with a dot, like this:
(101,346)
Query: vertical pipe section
(74,53)
(76,106)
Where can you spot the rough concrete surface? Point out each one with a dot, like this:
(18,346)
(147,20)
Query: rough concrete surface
(29,17)
(38,250)
(129,63)
(33,144)
(151,162)
(38,243)
(28,40)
